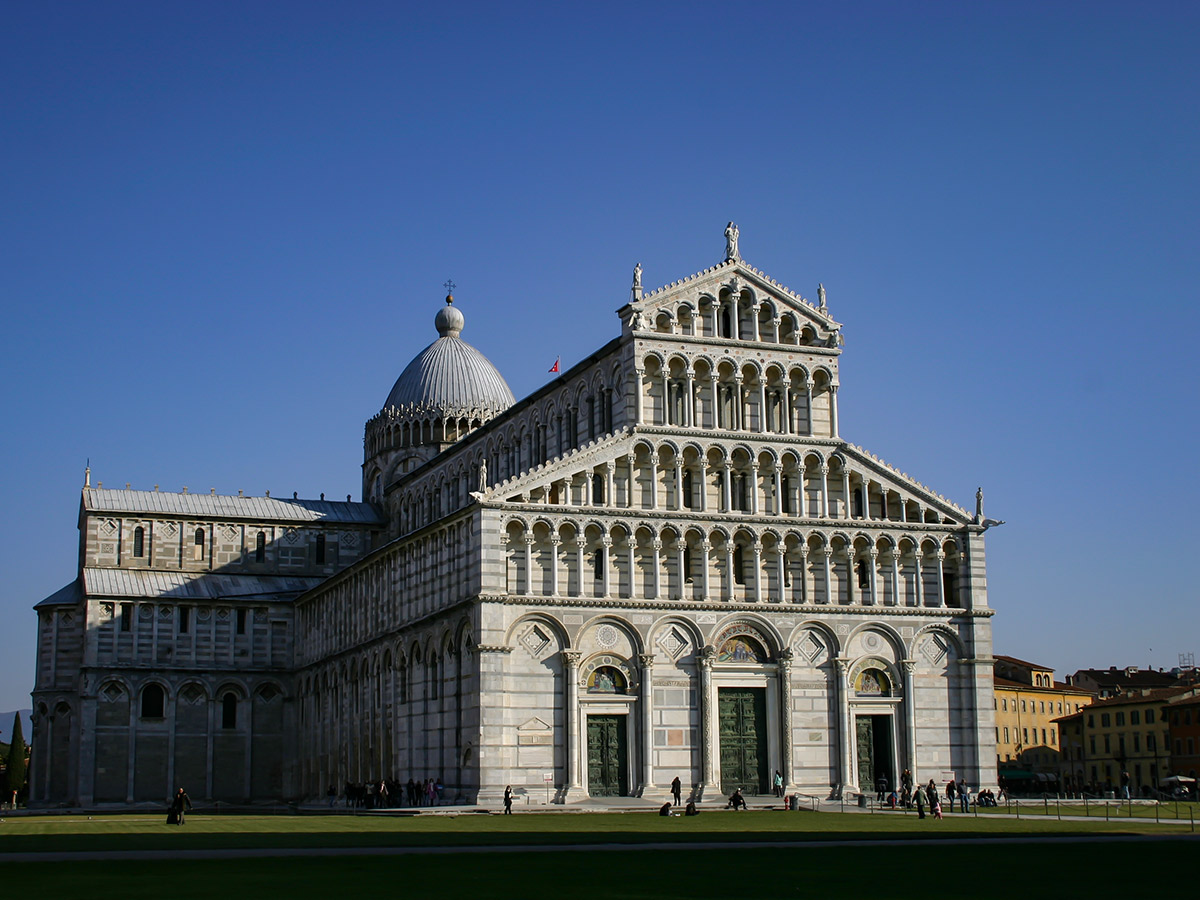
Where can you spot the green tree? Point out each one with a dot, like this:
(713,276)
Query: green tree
(16,759)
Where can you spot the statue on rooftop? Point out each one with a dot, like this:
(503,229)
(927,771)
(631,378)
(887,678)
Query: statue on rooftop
(731,242)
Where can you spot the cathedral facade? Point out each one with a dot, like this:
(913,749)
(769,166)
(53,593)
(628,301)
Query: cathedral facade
(666,562)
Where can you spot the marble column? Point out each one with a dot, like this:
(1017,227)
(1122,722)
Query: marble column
(808,410)
(753,486)
(689,406)
(604,550)
(579,566)
(708,722)
(631,488)
(851,576)
(654,461)
(872,558)
(656,546)
(528,564)
(910,719)
(754,308)
(848,507)
(895,577)
(826,554)
(920,585)
(785,715)
(781,569)
(678,482)
(730,577)
(631,544)
(941,578)
(646,662)
(638,375)
(845,731)
(805,594)
(762,406)
(570,662)
(757,548)
(726,488)
(833,411)
(705,548)
(608,484)
(824,509)
(777,478)
(739,403)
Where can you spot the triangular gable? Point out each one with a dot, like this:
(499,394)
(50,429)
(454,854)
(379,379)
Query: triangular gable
(884,473)
(643,307)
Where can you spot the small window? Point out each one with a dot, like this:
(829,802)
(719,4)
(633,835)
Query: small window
(1006,734)
(1022,706)
(185,619)
(241,621)
(1053,737)
(1004,704)
(1042,707)
(152,702)
(260,547)
(126,616)
(1120,718)
(739,568)
(687,490)
(229,710)
(1025,735)
(1150,745)
(1149,717)
(864,582)
(1091,720)
(139,542)
(687,564)
(1105,720)
(320,549)
(598,564)
(198,545)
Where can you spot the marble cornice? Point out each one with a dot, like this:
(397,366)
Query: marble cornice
(729,343)
(674,607)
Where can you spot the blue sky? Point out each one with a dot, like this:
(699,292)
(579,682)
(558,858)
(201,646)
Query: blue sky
(224,230)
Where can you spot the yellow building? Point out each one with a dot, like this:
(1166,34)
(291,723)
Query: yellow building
(1121,742)
(1028,700)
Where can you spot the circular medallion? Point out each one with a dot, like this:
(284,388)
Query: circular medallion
(606,636)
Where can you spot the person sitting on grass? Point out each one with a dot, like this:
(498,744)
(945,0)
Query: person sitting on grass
(736,800)
(690,809)
(665,809)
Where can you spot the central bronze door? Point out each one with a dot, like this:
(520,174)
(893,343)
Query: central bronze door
(742,718)
(606,756)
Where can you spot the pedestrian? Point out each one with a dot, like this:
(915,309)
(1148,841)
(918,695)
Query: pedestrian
(778,782)
(951,790)
(677,790)
(919,796)
(881,786)
(508,800)
(964,796)
(736,800)
(181,803)
(936,807)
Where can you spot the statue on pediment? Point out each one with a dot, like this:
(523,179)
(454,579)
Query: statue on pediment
(731,241)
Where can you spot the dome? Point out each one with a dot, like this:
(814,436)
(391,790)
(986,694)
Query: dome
(450,376)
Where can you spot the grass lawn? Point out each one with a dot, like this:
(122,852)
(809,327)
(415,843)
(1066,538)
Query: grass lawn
(1046,869)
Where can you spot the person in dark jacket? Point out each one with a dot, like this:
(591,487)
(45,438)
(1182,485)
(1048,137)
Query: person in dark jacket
(677,790)
(181,803)
(508,800)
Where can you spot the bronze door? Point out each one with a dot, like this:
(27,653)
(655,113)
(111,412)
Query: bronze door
(742,718)
(606,756)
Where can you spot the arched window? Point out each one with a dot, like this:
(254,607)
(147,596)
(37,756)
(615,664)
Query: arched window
(198,545)
(864,581)
(598,489)
(687,490)
(858,503)
(260,547)
(739,568)
(229,705)
(153,700)
(687,564)
(598,564)
(139,542)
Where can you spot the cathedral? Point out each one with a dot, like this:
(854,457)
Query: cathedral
(666,562)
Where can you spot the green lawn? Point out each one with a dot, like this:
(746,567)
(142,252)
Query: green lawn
(1048,870)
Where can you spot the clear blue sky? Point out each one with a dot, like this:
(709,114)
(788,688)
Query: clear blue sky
(224,230)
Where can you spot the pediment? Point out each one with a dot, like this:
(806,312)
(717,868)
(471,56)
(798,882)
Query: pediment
(710,285)
(534,725)
(862,461)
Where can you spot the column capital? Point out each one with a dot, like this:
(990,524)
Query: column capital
(873,552)
(609,467)
(570,658)
(706,545)
(606,541)
(786,655)
(656,544)
(823,468)
(757,547)
(909,665)
(555,540)
(646,660)
(708,656)
(528,539)
(842,663)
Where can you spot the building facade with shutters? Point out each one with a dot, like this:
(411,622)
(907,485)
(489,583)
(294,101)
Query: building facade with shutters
(666,562)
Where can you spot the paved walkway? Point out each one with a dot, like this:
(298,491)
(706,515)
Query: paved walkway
(291,852)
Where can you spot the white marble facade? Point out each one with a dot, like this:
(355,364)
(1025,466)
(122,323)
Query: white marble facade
(666,562)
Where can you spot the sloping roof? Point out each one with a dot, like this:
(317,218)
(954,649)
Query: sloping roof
(191,585)
(224,506)
(1022,662)
(64,596)
(1058,688)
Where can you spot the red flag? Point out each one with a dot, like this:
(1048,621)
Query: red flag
(554,368)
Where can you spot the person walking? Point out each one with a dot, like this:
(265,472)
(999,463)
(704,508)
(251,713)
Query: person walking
(964,796)
(919,796)
(181,803)
(951,790)
(778,783)
(508,800)
(677,790)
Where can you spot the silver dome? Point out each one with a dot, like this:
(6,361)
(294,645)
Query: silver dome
(450,377)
